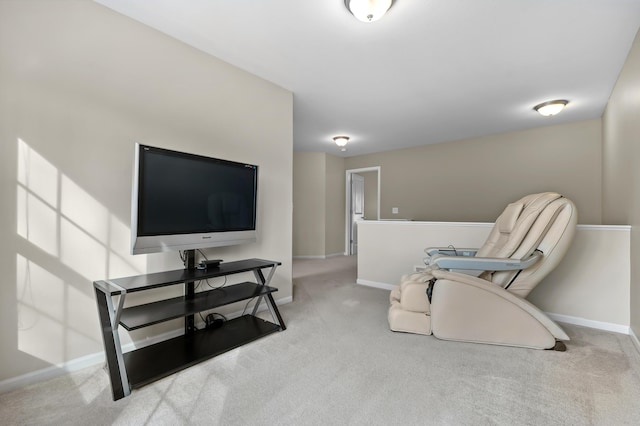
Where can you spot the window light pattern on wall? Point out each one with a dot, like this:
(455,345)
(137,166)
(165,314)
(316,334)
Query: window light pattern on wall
(67,238)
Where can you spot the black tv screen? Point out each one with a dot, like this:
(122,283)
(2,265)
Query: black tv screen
(184,201)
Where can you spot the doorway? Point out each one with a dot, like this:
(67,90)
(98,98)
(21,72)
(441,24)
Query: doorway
(359,183)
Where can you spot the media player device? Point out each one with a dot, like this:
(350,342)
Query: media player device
(209,263)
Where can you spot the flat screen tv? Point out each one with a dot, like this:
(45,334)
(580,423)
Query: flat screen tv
(184,201)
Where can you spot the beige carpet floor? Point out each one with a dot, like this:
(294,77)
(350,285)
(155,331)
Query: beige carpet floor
(338,364)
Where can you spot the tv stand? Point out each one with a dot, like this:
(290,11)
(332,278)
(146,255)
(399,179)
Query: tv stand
(144,365)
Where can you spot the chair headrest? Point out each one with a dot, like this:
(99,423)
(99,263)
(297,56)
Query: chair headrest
(514,225)
(508,218)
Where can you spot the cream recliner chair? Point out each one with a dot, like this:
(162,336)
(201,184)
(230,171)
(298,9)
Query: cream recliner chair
(478,295)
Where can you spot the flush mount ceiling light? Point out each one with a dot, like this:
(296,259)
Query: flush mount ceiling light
(368,10)
(550,108)
(341,141)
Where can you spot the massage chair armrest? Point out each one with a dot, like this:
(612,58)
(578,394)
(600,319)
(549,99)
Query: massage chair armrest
(447,251)
(464,263)
(451,251)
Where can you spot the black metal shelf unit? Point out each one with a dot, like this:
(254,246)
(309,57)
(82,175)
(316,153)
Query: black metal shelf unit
(153,313)
(144,365)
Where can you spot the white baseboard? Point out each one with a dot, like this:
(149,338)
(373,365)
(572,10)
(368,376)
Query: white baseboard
(335,255)
(98,358)
(634,339)
(321,256)
(51,372)
(600,325)
(375,284)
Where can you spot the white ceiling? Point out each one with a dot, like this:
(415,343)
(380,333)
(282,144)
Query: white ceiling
(429,71)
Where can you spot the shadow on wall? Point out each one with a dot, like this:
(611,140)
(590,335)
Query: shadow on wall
(68,239)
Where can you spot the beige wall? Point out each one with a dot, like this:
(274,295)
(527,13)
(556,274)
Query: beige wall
(309,203)
(621,175)
(335,205)
(462,181)
(370,195)
(318,204)
(472,180)
(79,85)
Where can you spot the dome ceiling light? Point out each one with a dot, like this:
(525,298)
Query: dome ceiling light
(368,10)
(550,108)
(341,141)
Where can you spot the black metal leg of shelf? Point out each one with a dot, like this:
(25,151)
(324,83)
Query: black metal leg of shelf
(113,351)
(189,290)
(271,304)
(260,276)
(261,280)
(275,312)
(189,320)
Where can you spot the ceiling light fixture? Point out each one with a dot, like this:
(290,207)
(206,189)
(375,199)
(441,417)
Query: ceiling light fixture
(368,10)
(341,141)
(550,108)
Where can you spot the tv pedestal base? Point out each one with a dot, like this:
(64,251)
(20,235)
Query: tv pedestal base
(142,366)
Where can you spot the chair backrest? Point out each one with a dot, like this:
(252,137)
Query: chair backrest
(544,222)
